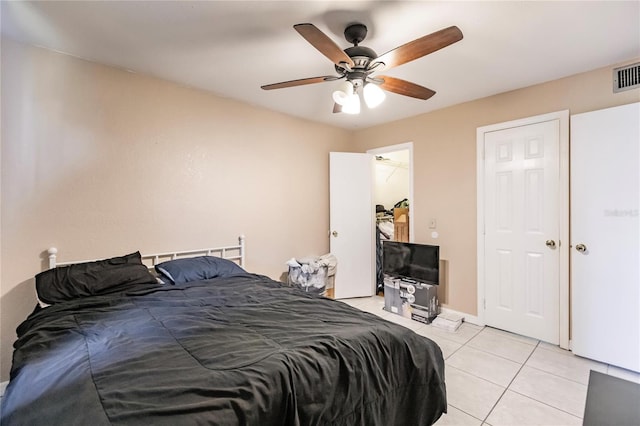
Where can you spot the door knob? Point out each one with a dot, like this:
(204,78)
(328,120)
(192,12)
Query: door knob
(581,248)
(334,233)
(550,244)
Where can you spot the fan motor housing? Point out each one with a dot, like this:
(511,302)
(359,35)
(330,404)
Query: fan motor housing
(361,57)
(356,51)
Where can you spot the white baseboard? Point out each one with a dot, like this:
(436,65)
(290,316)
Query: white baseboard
(472,319)
(3,386)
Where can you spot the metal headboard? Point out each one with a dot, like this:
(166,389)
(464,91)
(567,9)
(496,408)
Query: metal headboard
(234,253)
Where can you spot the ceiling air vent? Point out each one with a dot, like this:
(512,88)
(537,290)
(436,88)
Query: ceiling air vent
(626,78)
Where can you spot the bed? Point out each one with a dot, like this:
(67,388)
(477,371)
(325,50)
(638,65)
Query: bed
(210,344)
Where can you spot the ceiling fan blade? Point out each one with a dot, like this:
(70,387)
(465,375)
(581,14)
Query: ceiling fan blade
(406,88)
(420,47)
(300,82)
(323,43)
(337,108)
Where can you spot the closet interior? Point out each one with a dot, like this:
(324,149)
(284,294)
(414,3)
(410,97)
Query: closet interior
(391,196)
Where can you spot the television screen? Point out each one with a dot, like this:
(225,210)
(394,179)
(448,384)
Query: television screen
(418,262)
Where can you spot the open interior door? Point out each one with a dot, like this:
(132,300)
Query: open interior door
(352,230)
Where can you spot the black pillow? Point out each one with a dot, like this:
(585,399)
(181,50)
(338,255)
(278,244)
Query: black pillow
(181,271)
(91,278)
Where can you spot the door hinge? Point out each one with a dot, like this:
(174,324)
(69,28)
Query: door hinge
(484,303)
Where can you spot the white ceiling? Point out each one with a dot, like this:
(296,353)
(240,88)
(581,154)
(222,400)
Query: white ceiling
(231,48)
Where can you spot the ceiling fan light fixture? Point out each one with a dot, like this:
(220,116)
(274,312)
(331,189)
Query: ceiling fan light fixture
(352,106)
(356,65)
(343,93)
(373,95)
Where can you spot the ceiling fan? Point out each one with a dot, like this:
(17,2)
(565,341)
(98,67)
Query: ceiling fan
(358,64)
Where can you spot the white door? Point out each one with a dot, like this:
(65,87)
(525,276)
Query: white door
(352,231)
(605,235)
(522,262)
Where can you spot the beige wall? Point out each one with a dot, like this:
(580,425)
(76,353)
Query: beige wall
(445,163)
(99,162)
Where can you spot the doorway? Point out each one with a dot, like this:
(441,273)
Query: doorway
(393,179)
(352,230)
(393,199)
(522,176)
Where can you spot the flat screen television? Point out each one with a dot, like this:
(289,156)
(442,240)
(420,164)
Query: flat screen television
(419,262)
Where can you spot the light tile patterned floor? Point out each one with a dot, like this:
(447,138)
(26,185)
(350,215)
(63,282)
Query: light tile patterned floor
(498,378)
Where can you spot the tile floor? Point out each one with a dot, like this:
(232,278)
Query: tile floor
(499,378)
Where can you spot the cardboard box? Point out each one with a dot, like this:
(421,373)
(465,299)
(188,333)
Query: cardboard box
(421,315)
(411,299)
(426,298)
(395,297)
(401,224)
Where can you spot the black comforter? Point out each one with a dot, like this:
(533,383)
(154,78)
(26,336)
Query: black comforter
(244,350)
